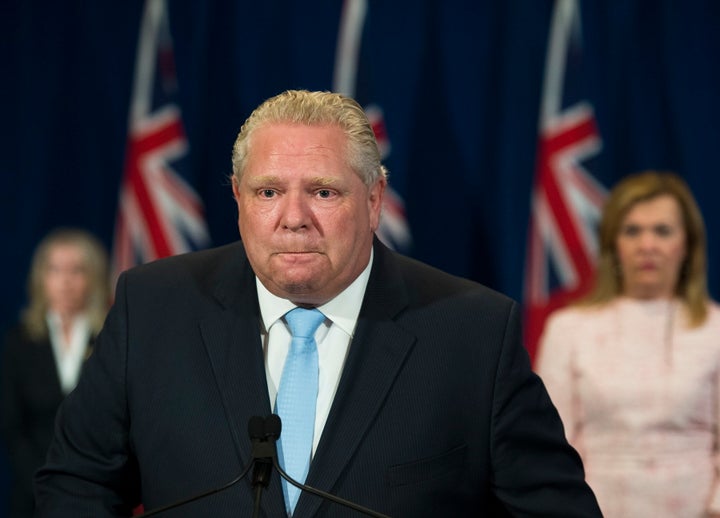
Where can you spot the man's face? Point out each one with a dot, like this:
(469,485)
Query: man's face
(305,218)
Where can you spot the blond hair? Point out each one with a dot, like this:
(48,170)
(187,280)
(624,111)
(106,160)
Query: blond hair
(316,109)
(33,316)
(692,282)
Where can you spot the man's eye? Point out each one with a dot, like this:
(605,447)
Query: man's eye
(267,193)
(324,193)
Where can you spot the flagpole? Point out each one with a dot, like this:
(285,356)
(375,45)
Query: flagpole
(348,47)
(145,60)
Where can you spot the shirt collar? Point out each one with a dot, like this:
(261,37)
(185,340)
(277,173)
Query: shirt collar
(342,310)
(54,320)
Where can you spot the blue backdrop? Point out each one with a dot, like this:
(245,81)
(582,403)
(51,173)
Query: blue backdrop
(459,82)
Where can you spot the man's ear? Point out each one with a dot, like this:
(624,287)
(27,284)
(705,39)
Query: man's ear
(376,195)
(235,187)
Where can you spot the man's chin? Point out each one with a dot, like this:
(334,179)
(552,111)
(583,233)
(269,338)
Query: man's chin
(298,285)
(298,288)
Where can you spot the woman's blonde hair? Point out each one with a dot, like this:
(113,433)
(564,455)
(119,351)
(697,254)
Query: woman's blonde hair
(692,280)
(316,109)
(33,316)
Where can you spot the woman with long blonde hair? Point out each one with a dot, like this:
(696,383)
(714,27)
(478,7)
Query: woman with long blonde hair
(68,297)
(634,367)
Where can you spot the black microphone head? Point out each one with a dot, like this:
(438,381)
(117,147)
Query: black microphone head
(273,426)
(256,428)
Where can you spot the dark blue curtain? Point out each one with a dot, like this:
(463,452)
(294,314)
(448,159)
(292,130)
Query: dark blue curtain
(459,82)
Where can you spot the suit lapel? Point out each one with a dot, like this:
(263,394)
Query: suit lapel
(232,340)
(377,354)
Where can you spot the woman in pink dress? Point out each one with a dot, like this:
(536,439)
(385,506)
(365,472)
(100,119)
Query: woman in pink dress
(634,368)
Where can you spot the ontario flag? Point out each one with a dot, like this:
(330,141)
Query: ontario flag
(393,230)
(566,199)
(159,214)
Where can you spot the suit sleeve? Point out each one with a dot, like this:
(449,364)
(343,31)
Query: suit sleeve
(90,469)
(537,473)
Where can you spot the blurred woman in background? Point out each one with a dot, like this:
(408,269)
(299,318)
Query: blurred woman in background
(68,297)
(634,368)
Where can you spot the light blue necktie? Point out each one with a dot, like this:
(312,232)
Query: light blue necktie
(296,399)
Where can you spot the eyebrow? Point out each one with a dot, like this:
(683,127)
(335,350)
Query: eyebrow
(265,179)
(272,179)
(324,180)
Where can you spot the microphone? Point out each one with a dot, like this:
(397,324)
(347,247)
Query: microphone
(256,431)
(273,423)
(263,434)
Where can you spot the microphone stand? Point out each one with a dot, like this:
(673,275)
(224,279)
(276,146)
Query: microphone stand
(198,496)
(263,434)
(256,431)
(328,496)
(273,426)
(262,454)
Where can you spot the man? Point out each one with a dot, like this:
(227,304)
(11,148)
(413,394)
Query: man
(425,402)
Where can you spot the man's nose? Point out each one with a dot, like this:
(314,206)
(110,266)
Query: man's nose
(296,211)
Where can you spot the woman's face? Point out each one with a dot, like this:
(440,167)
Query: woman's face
(651,247)
(66,279)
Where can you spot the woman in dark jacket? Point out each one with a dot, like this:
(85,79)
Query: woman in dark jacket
(68,296)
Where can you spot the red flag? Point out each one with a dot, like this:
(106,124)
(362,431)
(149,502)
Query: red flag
(159,214)
(566,200)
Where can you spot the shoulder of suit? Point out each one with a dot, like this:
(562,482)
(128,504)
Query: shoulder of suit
(440,282)
(202,259)
(200,270)
(17,342)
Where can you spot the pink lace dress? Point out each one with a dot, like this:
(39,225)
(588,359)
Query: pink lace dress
(639,395)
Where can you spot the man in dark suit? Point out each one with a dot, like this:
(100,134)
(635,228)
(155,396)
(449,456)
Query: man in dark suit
(424,401)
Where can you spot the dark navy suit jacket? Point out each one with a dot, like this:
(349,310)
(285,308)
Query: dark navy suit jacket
(437,413)
(31,395)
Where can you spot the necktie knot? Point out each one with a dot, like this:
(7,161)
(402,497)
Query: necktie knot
(303,322)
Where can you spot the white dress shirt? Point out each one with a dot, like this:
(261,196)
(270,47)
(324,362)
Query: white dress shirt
(333,338)
(69,354)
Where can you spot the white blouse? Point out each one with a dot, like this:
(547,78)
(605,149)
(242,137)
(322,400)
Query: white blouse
(69,353)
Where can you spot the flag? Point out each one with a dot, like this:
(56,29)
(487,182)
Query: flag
(566,199)
(159,214)
(393,230)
